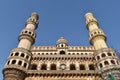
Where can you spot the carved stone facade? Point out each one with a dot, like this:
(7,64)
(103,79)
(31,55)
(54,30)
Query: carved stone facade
(62,62)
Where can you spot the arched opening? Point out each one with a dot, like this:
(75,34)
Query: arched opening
(22,54)
(82,67)
(72,67)
(91,67)
(53,67)
(25,64)
(103,55)
(33,67)
(16,54)
(62,52)
(43,67)
(14,61)
(109,54)
(20,62)
(100,65)
(112,61)
(98,57)
(106,63)
(8,62)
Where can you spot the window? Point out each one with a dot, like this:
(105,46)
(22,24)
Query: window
(100,65)
(43,67)
(72,67)
(22,54)
(106,63)
(98,57)
(82,67)
(27,57)
(112,61)
(12,54)
(14,61)
(16,54)
(109,54)
(25,64)
(33,67)
(20,62)
(103,55)
(62,52)
(8,62)
(53,67)
(91,67)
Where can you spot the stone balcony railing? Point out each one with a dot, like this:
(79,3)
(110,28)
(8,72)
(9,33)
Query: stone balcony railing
(65,72)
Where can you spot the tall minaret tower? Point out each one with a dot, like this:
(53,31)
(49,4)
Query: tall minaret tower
(20,58)
(106,60)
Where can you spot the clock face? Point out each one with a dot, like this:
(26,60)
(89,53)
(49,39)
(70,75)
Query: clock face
(63,66)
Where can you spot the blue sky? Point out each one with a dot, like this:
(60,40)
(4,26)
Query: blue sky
(57,18)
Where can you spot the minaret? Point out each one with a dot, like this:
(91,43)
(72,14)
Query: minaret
(19,60)
(106,60)
(96,36)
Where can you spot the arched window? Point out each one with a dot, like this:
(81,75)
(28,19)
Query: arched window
(33,67)
(100,65)
(11,54)
(43,67)
(8,62)
(62,52)
(109,54)
(106,63)
(20,62)
(72,67)
(91,67)
(53,67)
(103,55)
(14,61)
(82,67)
(98,57)
(112,61)
(22,54)
(16,54)
(25,64)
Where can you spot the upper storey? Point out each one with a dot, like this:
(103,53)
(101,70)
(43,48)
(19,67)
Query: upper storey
(62,47)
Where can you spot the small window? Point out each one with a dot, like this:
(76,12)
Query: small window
(43,67)
(98,57)
(109,54)
(29,32)
(72,67)
(100,65)
(27,57)
(106,63)
(62,45)
(8,62)
(53,67)
(22,54)
(25,64)
(112,61)
(82,67)
(11,54)
(16,54)
(91,67)
(103,55)
(25,31)
(33,67)
(62,52)
(14,61)
(20,62)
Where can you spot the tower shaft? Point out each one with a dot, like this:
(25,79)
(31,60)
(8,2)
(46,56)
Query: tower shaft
(20,58)
(96,36)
